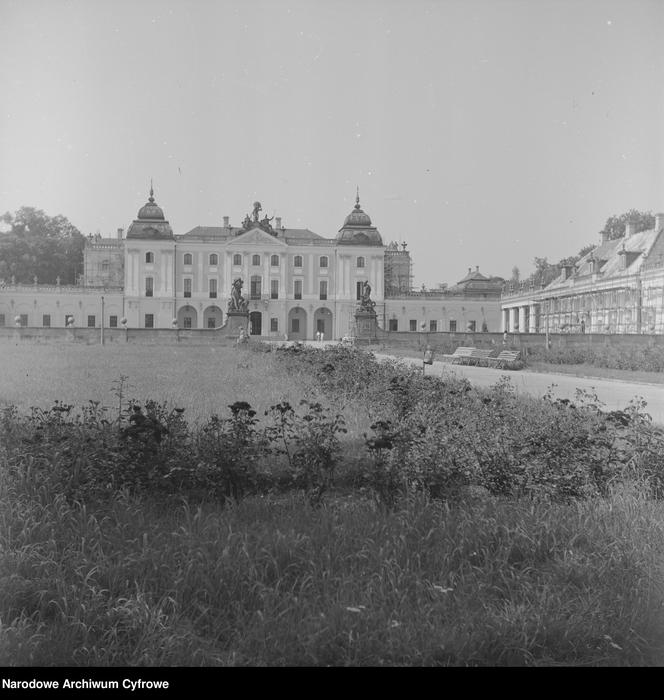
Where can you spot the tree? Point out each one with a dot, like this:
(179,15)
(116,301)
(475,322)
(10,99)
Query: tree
(36,245)
(615,225)
(515,274)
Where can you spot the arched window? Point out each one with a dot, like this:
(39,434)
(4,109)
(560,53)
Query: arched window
(255,260)
(274,261)
(323,261)
(237,259)
(149,257)
(187,258)
(297,261)
(360,261)
(214,259)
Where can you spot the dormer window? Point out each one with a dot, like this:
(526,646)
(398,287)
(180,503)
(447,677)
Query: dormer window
(187,258)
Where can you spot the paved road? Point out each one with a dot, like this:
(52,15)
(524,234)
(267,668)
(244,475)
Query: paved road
(615,394)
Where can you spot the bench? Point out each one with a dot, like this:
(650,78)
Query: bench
(459,355)
(505,359)
(480,357)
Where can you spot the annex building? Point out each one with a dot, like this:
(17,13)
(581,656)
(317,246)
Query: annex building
(618,287)
(297,283)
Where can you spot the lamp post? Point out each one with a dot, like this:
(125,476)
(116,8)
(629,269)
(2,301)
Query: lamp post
(102,319)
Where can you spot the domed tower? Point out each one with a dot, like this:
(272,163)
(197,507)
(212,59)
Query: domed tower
(357,228)
(150,223)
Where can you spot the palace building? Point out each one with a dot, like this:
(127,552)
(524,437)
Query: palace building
(615,288)
(297,283)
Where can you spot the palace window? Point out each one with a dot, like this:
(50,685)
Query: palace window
(433,326)
(255,289)
(274,289)
(68,318)
(213,289)
(274,325)
(237,259)
(46,320)
(452,326)
(323,261)
(256,260)
(149,286)
(323,290)
(113,322)
(472,326)
(2,320)
(274,261)
(358,290)
(360,262)
(295,325)
(394,324)
(91,321)
(413,324)
(214,259)
(297,289)
(149,258)
(187,258)
(24,320)
(211,322)
(187,286)
(186,322)
(297,261)
(149,320)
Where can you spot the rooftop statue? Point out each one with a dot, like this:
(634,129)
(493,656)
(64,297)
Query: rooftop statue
(257,208)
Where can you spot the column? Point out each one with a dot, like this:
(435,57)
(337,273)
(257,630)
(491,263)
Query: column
(532,319)
(513,327)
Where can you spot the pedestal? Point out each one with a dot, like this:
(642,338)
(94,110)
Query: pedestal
(236,320)
(365,326)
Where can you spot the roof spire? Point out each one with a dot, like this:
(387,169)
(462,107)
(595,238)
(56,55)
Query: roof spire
(357,197)
(151,198)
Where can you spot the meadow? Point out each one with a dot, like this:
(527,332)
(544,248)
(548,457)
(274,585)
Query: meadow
(390,519)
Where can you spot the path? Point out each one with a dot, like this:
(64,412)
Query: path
(615,394)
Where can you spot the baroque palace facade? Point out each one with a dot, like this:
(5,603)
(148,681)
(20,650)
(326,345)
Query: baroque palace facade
(297,283)
(618,287)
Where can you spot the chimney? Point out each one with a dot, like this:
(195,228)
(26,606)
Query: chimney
(226,224)
(659,221)
(630,228)
(278,220)
(477,268)
(120,232)
(605,236)
(470,269)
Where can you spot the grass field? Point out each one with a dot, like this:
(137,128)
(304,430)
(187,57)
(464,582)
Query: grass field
(202,380)
(273,580)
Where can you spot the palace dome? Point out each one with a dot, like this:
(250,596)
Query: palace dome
(357,228)
(151,210)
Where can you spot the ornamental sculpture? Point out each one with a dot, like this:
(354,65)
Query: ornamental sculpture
(366,302)
(237,303)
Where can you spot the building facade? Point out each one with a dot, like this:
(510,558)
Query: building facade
(618,287)
(298,284)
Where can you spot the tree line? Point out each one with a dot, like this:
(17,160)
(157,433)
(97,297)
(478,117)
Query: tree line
(33,244)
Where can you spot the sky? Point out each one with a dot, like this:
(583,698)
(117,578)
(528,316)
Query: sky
(480,132)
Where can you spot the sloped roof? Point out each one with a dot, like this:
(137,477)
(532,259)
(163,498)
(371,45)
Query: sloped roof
(610,253)
(226,233)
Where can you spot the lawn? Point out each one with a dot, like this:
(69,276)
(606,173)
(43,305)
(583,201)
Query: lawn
(116,549)
(202,380)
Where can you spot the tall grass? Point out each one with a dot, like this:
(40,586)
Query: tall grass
(280,583)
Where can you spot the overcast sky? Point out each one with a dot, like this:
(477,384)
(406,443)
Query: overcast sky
(482,132)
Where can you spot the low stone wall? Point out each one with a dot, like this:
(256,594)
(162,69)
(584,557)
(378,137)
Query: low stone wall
(442,341)
(446,342)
